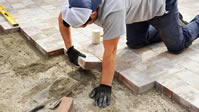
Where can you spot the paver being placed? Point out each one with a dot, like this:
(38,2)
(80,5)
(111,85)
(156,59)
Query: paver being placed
(141,70)
(90,62)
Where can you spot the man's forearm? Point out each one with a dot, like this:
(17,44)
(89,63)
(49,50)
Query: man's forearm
(108,66)
(108,69)
(65,33)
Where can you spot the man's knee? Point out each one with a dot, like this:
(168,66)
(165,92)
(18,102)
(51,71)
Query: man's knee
(176,51)
(176,48)
(135,46)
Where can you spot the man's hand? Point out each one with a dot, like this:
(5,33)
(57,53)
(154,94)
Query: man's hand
(73,55)
(102,95)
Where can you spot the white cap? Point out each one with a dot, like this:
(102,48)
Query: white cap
(77,12)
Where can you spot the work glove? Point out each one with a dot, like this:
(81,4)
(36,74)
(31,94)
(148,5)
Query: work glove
(102,95)
(73,55)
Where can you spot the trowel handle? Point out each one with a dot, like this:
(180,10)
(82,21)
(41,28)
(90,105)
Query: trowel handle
(36,108)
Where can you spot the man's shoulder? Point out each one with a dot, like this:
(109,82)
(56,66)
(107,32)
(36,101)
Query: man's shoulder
(107,8)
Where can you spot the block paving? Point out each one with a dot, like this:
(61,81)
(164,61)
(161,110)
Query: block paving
(65,105)
(177,76)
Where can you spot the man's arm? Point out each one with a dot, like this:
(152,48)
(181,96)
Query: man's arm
(108,66)
(65,32)
(102,93)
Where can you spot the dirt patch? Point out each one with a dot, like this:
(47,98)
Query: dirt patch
(26,74)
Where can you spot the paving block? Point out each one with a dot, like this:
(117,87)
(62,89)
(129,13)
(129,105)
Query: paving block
(96,49)
(168,66)
(191,65)
(164,72)
(175,97)
(140,75)
(90,62)
(65,105)
(188,97)
(147,55)
(10,30)
(179,90)
(158,48)
(126,59)
(136,81)
(189,77)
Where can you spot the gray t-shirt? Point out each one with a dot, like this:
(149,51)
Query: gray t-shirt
(113,15)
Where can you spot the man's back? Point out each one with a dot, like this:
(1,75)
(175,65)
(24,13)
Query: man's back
(142,10)
(113,15)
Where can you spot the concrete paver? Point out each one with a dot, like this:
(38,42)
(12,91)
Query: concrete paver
(180,89)
(65,105)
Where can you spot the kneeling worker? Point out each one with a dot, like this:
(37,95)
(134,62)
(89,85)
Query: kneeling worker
(144,21)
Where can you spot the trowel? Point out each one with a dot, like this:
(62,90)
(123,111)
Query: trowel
(51,96)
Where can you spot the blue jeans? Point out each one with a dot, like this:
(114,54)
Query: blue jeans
(164,28)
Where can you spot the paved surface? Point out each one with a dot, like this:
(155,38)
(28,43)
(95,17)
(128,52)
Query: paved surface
(141,70)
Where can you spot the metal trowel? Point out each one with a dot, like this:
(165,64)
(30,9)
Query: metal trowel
(51,96)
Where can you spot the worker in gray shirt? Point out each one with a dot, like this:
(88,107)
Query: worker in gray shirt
(144,21)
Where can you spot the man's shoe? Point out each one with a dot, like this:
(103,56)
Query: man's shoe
(182,22)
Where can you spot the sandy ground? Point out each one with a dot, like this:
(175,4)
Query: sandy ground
(28,78)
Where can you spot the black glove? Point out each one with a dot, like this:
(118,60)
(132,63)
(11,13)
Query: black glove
(73,55)
(102,95)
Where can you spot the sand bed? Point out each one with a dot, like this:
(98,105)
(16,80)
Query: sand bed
(28,78)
